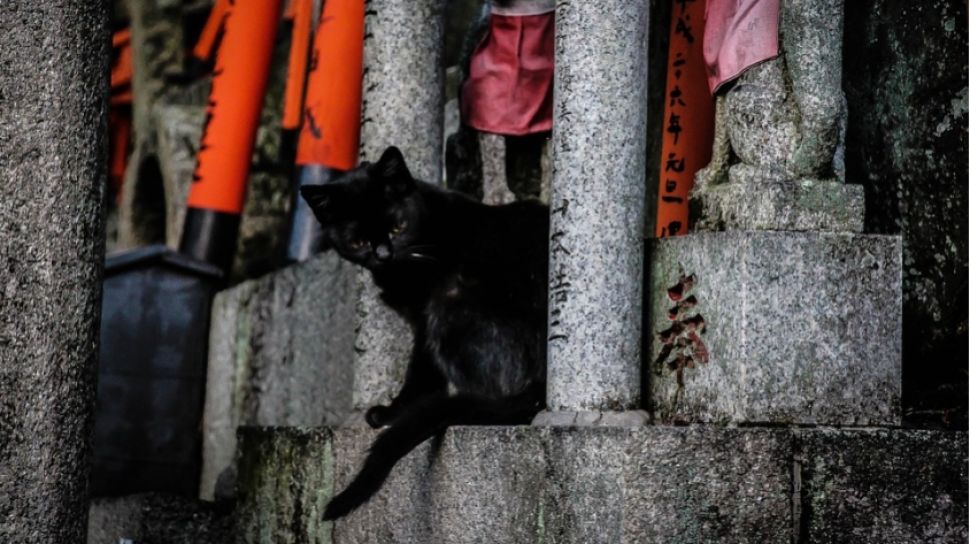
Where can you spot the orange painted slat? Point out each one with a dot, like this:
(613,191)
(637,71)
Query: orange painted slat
(296,73)
(122,69)
(210,32)
(688,122)
(331,115)
(120,127)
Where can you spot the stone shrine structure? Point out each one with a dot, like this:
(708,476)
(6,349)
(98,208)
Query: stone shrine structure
(790,315)
(773,329)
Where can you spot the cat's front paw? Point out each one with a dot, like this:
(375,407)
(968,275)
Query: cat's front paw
(377,416)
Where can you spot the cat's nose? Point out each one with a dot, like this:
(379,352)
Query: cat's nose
(382,252)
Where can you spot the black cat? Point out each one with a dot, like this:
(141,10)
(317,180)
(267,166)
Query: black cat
(471,281)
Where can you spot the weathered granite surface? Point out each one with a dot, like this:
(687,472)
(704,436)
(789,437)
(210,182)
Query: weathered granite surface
(157,518)
(280,353)
(524,484)
(495,180)
(883,486)
(596,246)
(751,202)
(403,98)
(284,485)
(905,79)
(53,122)
(585,485)
(775,327)
(704,484)
(786,116)
(382,348)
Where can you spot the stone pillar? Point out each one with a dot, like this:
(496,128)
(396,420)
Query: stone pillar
(403,101)
(403,97)
(53,121)
(596,244)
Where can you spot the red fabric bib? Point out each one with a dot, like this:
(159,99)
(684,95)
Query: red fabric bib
(737,35)
(509,85)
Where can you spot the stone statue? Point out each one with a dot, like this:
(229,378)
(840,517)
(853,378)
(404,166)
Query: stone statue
(779,133)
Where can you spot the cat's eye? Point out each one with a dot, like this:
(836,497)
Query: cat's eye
(357,245)
(398,228)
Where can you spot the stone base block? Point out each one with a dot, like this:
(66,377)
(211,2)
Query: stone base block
(612,485)
(280,353)
(285,481)
(151,517)
(754,202)
(883,486)
(528,484)
(775,327)
(627,418)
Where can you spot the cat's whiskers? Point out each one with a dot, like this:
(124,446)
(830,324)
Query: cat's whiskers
(420,253)
(421,257)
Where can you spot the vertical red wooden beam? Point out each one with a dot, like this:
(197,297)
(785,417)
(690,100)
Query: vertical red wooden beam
(688,122)
(210,32)
(232,117)
(330,135)
(331,126)
(297,68)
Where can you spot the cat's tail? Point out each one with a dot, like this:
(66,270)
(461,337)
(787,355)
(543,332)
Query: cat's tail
(426,418)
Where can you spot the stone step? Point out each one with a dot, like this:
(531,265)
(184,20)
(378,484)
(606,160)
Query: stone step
(161,518)
(612,485)
(280,353)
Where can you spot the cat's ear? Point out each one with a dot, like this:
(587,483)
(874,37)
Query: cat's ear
(392,169)
(320,198)
(391,164)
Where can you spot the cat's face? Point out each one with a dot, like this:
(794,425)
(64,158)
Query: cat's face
(372,215)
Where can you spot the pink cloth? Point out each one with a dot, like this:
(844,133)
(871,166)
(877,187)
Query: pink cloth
(738,34)
(509,85)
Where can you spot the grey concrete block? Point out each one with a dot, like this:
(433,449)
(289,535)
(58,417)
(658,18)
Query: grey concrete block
(629,418)
(280,353)
(766,204)
(756,327)
(152,518)
(53,122)
(891,486)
